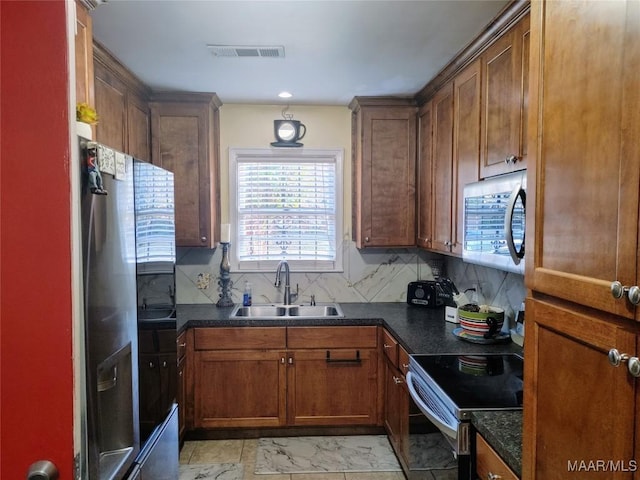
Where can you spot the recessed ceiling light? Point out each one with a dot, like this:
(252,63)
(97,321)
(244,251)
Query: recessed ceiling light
(285,95)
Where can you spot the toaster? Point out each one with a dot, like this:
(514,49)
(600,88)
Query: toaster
(431,293)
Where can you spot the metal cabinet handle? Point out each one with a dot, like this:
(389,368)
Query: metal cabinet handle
(43,470)
(493,476)
(616,358)
(366,239)
(634,295)
(387,346)
(618,290)
(633,365)
(511,159)
(152,365)
(282,360)
(397,380)
(164,364)
(405,366)
(182,345)
(290,360)
(203,239)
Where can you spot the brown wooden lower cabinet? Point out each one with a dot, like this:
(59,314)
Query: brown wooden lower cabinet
(579,409)
(240,388)
(332,387)
(396,397)
(181,393)
(257,377)
(489,465)
(157,377)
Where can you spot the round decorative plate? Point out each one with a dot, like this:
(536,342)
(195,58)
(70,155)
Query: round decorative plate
(500,337)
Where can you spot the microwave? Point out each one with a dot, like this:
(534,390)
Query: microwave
(494,222)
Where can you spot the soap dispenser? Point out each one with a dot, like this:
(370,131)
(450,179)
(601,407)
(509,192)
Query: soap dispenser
(246,297)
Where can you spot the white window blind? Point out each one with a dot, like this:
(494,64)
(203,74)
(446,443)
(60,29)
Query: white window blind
(287,206)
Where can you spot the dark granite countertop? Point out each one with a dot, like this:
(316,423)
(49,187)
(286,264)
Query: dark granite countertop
(419,330)
(503,431)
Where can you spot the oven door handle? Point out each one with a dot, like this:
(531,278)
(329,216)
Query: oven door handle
(428,412)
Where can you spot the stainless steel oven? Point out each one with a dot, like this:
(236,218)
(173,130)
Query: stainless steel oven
(448,388)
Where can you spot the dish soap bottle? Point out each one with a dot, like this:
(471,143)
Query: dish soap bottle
(246,297)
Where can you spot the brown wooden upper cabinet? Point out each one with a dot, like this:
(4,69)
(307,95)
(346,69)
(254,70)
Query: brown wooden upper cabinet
(505,83)
(121,102)
(442,169)
(185,140)
(84,55)
(384,173)
(585,185)
(449,126)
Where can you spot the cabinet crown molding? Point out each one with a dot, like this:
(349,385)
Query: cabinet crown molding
(507,18)
(187,97)
(358,102)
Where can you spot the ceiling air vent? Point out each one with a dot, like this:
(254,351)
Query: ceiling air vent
(246,51)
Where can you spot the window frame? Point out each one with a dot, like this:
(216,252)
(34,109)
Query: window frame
(335,155)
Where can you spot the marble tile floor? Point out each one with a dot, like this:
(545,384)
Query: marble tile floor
(236,460)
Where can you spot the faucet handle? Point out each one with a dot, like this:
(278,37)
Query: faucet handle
(294,295)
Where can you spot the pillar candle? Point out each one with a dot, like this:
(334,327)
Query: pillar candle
(225,233)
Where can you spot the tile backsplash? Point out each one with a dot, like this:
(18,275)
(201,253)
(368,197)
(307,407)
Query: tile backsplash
(370,275)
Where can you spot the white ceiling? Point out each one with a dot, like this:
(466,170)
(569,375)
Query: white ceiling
(334,49)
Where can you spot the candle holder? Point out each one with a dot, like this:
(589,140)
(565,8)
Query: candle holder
(225,278)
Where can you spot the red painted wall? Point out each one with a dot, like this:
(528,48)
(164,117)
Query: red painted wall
(36,369)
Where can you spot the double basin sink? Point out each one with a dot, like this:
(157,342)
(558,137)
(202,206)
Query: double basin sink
(281,311)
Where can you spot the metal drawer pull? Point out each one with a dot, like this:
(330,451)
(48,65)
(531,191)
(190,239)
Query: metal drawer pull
(633,366)
(616,358)
(633,293)
(387,346)
(397,380)
(618,290)
(493,476)
(511,160)
(346,360)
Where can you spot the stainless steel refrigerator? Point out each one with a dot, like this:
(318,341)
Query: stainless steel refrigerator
(110,314)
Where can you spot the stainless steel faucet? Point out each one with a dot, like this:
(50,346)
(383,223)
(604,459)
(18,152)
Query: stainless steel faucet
(288,296)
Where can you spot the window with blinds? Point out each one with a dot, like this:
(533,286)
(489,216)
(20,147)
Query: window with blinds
(286,205)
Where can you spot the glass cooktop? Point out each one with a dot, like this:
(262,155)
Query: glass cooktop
(473,381)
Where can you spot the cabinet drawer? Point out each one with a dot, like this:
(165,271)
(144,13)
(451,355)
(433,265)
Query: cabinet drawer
(181,343)
(488,462)
(403,360)
(243,338)
(332,337)
(390,347)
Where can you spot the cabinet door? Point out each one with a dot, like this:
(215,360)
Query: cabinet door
(466,145)
(396,411)
(239,389)
(504,99)
(386,177)
(184,141)
(139,129)
(111,105)
(181,398)
(578,407)
(425,159)
(149,392)
(84,55)
(442,158)
(489,464)
(332,387)
(585,61)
